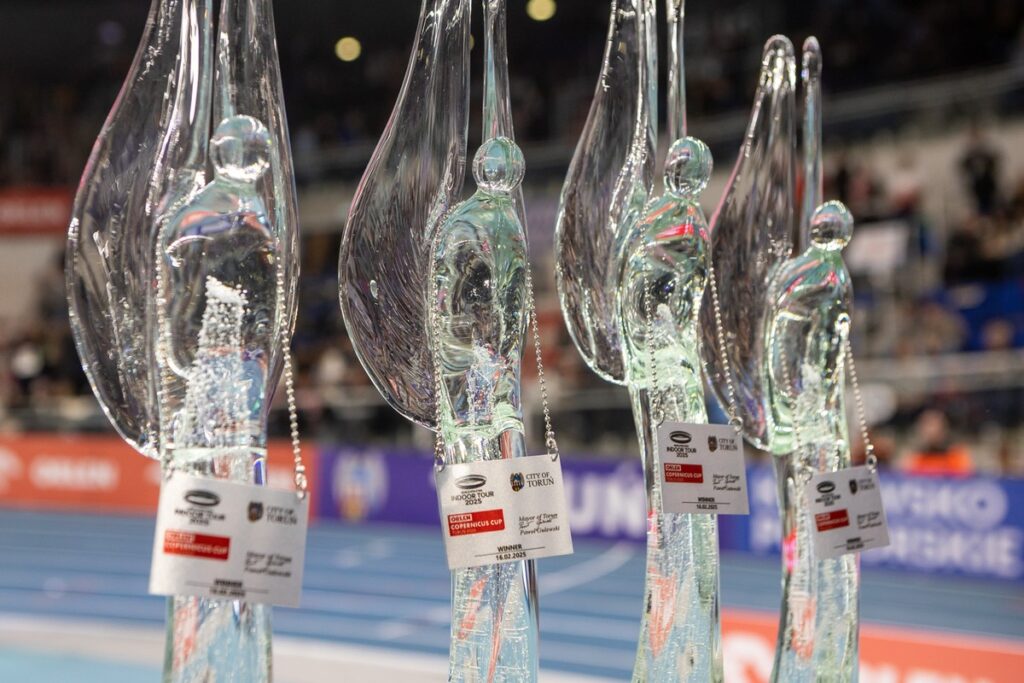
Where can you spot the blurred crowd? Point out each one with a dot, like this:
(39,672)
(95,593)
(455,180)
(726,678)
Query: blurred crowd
(50,113)
(929,307)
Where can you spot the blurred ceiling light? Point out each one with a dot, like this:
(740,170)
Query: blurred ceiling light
(541,10)
(348,49)
(111,33)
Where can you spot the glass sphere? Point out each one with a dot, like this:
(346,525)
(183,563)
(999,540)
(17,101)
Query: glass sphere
(831,226)
(499,165)
(687,167)
(241,149)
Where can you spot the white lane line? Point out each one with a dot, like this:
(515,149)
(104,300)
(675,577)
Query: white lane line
(308,661)
(589,570)
(575,575)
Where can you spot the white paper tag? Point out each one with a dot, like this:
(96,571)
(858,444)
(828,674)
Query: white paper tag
(495,511)
(224,540)
(702,469)
(846,513)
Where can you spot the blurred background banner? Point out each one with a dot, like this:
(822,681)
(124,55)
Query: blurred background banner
(34,210)
(888,655)
(968,526)
(98,474)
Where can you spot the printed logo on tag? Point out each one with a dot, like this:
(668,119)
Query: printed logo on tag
(462,523)
(846,511)
(503,510)
(221,539)
(702,469)
(676,473)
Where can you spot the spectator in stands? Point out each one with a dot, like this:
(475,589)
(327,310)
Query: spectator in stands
(937,453)
(966,259)
(980,165)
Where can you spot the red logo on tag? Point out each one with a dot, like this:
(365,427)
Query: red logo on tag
(676,473)
(196,545)
(832,520)
(476,522)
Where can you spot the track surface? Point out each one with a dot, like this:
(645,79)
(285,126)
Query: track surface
(389,587)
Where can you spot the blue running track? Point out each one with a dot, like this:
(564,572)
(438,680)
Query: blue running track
(389,587)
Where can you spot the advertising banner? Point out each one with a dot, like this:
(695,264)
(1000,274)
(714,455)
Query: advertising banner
(887,655)
(966,527)
(969,526)
(98,473)
(35,210)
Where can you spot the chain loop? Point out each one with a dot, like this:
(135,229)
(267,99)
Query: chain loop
(163,351)
(550,442)
(870,459)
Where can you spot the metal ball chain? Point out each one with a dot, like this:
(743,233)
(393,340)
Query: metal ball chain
(549,430)
(657,414)
(730,389)
(435,353)
(869,450)
(301,480)
(162,351)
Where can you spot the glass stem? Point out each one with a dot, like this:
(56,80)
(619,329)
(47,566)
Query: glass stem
(494,607)
(680,636)
(676,74)
(818,621)
(219,640)
(813,191)
(497,113)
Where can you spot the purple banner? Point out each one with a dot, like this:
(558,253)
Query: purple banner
(606,499)
(969,527)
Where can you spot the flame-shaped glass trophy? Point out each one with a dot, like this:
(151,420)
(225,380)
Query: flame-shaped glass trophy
(181,273)
(806,340)
(789,390)
(451,361)
(632,271)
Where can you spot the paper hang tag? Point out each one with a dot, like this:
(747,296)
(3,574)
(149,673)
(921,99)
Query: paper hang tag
(224,540)
(702,469)
(846,512)
(495,511)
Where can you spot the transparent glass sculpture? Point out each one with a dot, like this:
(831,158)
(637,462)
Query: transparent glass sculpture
(752,231)
(414,177)
(240,231)
(806,332)
(664,279)
(609,181)
(480,314)
(182,283)
(153,140)
(478,320)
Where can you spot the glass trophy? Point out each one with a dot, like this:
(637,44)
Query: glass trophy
(454,363)
(752,232)
(610,179)
(806,337)
(415,176)
(651,257)
(664,277)
(182,264)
